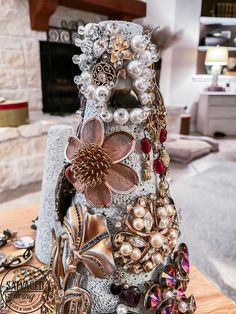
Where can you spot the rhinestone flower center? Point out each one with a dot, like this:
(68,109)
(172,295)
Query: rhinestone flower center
(90,165)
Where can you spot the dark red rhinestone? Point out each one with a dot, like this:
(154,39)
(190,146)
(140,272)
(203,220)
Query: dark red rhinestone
(158,166)
(146,145)
(163,135)
(130,297)
(115,289)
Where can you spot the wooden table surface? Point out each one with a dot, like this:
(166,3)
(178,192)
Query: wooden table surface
(209,299)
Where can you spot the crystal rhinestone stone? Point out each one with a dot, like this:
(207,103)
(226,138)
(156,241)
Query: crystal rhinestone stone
(130,296)
(158,166)
(168,277)
(163,135)
(146,145)
(153,298)
(185,264)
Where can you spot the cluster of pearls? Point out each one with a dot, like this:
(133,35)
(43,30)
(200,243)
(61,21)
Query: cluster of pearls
(122,116)
(158,235)
(95,43)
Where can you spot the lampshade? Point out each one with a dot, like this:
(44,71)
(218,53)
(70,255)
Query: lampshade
(216,56)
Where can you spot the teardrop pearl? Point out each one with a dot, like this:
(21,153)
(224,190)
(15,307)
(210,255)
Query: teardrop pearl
(170,210)
(157,258)
(182,307)
(161,212)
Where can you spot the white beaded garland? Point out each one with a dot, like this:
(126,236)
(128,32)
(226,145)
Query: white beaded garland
(121,116)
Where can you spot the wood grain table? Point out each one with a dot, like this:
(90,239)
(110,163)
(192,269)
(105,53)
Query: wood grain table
(208,297)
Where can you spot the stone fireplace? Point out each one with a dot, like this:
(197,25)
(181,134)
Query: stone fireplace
(25,75)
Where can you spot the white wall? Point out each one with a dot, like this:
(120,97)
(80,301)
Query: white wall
(179,61)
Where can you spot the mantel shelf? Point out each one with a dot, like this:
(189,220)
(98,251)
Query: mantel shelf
(41,10)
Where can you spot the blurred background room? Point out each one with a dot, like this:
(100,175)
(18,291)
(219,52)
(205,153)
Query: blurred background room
(197,76)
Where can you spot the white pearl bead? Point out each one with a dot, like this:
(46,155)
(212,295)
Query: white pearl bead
(102,93)
(121,309)
(140,85)
(136,254)
(86,77)
(135,116)
(157,258)
(170,210)
(121,116)
(126,249)
(134,68)
(148,266)
(139,43)
(161,212)
(157,240)
(138,223)
(89,92)
(106,116)
(183,307)
(139,211)
(146,57)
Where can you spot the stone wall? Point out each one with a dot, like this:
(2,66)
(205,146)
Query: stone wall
(22,151)
(20,76)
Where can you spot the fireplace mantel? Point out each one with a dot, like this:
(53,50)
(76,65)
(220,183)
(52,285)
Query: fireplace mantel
(41,10)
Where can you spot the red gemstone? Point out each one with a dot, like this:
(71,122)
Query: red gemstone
(163,135)
(146,145)
(158,166)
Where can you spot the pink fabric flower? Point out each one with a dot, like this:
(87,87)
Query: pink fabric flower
(96,167)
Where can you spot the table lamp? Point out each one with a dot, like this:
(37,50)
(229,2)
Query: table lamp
(217,57)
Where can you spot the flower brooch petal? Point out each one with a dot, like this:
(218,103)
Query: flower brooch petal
(96,167)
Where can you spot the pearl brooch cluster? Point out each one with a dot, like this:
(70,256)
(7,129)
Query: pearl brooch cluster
(108,54)
(149,233)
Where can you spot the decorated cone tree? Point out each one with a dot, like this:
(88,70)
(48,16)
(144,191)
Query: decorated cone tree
(118,252)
